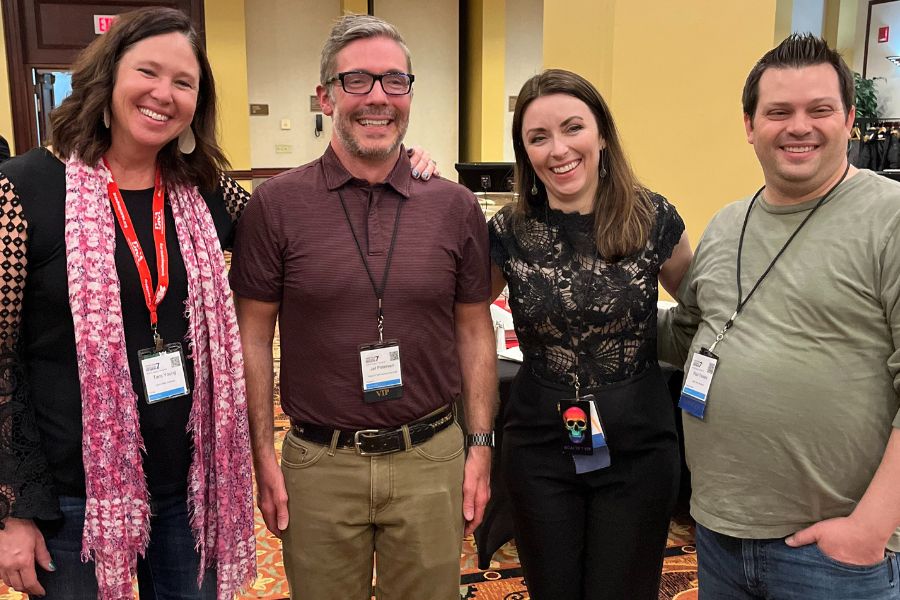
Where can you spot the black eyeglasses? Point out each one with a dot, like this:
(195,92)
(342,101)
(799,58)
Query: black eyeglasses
(361,82)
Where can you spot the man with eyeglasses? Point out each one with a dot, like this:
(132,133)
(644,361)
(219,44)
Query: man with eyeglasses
(381,287)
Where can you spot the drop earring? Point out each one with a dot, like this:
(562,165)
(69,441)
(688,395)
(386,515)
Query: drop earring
(106,117)
(186,141)
(603,171)
(534,189)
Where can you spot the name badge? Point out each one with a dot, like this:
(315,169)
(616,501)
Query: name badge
(598,457)
(695,392)
(382,378)
(163,373)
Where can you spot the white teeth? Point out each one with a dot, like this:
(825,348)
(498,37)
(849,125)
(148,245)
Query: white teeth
(799,148)
(153,115)
(565,168)
(374,122)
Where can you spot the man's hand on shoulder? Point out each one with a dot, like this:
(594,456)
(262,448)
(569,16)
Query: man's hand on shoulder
(843,539)
(476,486)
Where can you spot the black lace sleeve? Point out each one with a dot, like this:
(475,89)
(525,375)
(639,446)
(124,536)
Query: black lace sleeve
(26,489)
(669,227)
(497,234)
(236,197)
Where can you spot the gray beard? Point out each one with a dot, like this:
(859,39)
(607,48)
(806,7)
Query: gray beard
(349,142)
(373,154)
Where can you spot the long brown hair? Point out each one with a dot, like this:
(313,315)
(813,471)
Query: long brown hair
(77,127)
(623,213)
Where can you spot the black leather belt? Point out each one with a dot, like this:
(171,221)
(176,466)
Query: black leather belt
(372,442)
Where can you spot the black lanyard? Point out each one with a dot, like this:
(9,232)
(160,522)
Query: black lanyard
(379,291)
(576,339)
(743,301)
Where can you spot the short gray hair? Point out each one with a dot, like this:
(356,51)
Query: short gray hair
(350,28)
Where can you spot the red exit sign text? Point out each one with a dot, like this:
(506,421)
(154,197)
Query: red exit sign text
(102,23)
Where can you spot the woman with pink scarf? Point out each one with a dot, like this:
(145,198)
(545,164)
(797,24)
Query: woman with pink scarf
(125,446)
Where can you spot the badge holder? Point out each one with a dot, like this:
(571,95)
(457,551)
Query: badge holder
(381,374)
(585,438)
(163,371)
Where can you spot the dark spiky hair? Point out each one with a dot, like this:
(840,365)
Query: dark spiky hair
(796,51)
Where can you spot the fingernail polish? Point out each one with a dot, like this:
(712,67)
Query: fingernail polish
(416,173)
(426,177)
(52,566)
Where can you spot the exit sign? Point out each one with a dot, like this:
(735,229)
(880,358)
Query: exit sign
(102,23)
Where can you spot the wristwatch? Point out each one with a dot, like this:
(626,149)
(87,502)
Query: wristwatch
(480,439)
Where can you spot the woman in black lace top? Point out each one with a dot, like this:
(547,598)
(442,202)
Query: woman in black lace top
(582,252)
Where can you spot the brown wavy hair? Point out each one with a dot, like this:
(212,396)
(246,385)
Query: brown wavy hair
(76,125)
(623,212)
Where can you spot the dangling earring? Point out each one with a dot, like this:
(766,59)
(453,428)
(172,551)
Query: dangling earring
(534,190)
(602,164)
(106,117)
(186,141)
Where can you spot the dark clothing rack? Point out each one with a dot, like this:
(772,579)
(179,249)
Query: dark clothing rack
(878,147)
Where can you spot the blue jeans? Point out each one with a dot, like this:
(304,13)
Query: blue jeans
(743,569)
(167,571)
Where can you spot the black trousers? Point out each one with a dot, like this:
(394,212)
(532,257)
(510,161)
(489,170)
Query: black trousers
(599,535)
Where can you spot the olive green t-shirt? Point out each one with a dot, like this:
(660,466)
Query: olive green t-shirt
(806,390)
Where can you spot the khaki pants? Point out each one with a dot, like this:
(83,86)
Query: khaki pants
(404,507)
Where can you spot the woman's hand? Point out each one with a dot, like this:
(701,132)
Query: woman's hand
(21,546)
(423,167)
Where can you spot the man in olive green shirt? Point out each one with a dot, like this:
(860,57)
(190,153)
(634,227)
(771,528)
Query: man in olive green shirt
(799,438)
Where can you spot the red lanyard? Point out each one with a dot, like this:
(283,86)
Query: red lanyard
(159,240)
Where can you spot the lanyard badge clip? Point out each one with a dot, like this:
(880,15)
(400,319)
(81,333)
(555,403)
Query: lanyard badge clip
(157,340)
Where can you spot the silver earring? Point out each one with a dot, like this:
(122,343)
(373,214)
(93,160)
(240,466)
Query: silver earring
(106,117)
(534,190)
(186,141)
(602,164)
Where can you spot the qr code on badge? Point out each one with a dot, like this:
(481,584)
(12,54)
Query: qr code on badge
(176,361)
(395,355)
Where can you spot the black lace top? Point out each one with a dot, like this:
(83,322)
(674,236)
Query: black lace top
(40,409)
(554,296)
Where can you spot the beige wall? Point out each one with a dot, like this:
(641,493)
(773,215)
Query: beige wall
(677,98)
(431,31)
(673,88)
(524,56)
(583,44)
(284,41)
(227,50)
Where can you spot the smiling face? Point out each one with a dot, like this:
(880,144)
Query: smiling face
(369,126)
(800,132)
(563,143)
(155,93)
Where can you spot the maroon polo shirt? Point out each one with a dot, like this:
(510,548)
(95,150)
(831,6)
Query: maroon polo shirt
(294,246)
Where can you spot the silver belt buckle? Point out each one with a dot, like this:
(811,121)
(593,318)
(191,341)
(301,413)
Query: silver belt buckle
(357,441)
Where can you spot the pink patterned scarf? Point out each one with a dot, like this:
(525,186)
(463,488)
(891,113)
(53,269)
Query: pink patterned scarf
(220,495)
